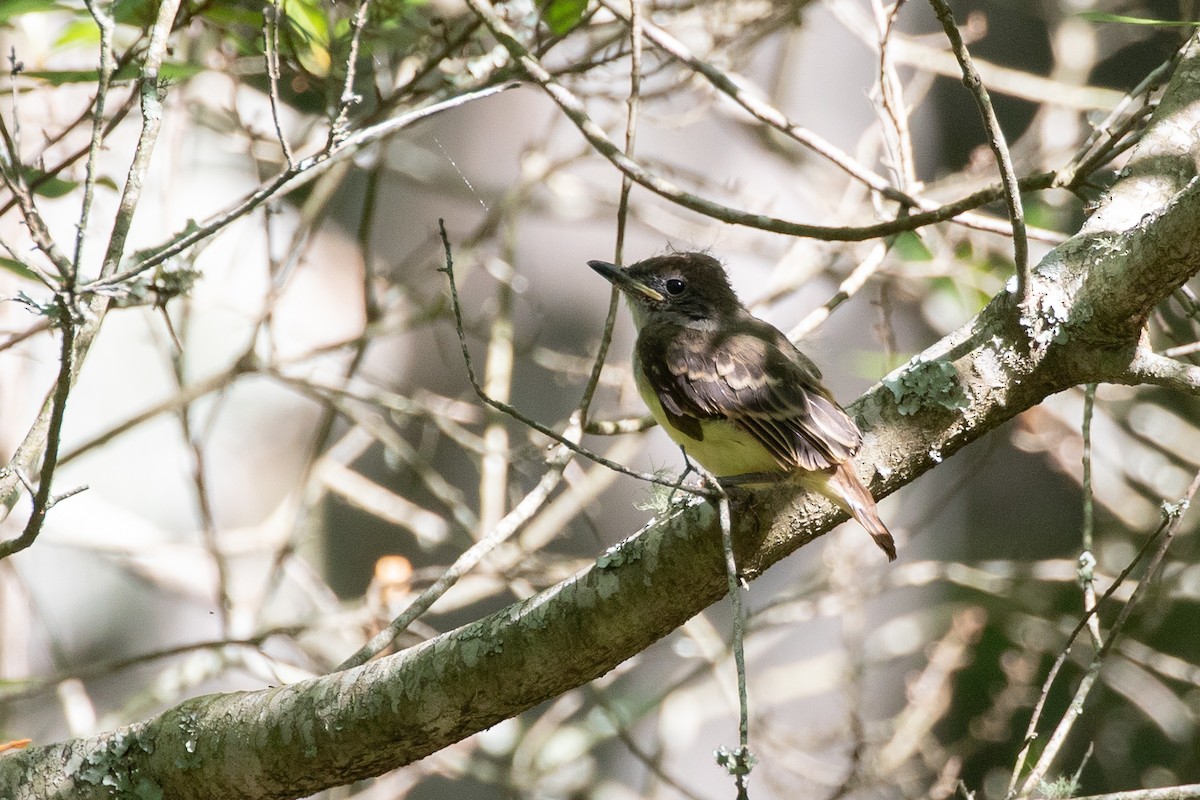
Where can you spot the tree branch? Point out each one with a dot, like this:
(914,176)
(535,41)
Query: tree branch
(1082,323)
(574,110)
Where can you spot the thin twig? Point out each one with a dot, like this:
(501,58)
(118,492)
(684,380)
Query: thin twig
(43,499)
(891,97)
(575,111)
(529,422)
(304,172)
(915,51)
(848,288)
(47,174)
(13,173)
(106,25)
(150,89)
(39,274)
(740,761)
(632,104)
(271,56)
(996,140)
(339,130)
(1104,131)
(776,119)
(1172,516)
(509,525)
(98,669)
(1052,675)
(761,110)
(1087,560)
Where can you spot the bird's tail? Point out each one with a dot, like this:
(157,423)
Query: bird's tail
(843,487)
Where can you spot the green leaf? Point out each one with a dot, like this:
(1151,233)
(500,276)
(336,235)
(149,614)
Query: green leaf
(910,247)
(139,13)
(58,77)
(15,8)
(231,14)
(79,31)
(172,71)
(48,185)
(1100,16)
(563,15)
(17,268)
(309,36)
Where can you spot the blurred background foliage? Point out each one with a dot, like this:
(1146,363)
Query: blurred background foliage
(275,472)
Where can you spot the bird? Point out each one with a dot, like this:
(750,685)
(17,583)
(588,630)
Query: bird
(732,390)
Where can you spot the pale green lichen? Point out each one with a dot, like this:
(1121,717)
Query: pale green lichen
(607,584)
(474,649)
(926,384)
(112,766)
(1060,788)
(661,500)
(614,557)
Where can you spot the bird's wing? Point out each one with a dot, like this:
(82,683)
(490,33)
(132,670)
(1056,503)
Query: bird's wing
(705,375)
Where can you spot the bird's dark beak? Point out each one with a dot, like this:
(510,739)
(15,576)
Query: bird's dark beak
(621,279)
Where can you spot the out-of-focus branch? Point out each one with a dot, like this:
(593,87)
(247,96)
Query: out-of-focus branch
(12,173)
(305,171)
(574,109)
(339,129)
(42,498)
(912,51)
(42,434)
(1056,740)
(107,66)
(152,114)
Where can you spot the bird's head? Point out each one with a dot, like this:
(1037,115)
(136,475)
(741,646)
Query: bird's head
(678,287)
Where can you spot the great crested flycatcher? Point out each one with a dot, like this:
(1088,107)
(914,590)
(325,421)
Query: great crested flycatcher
(732,390)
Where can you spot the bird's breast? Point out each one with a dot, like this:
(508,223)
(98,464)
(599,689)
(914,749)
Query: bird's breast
(723,447)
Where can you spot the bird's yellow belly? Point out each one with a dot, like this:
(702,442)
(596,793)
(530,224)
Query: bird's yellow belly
(724,450)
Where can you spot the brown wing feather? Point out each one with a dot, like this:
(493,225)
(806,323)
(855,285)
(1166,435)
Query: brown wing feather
(702,375)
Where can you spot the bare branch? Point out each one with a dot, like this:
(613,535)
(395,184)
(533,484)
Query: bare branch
(1159,370)
(339,130)
(152,113)
(43,499)
(106,24)
(271,56)
(1174,514)
(574,109)
(304,172)
(996,140)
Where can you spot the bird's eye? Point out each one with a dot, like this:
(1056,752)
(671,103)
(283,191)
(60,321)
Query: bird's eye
(675,286)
